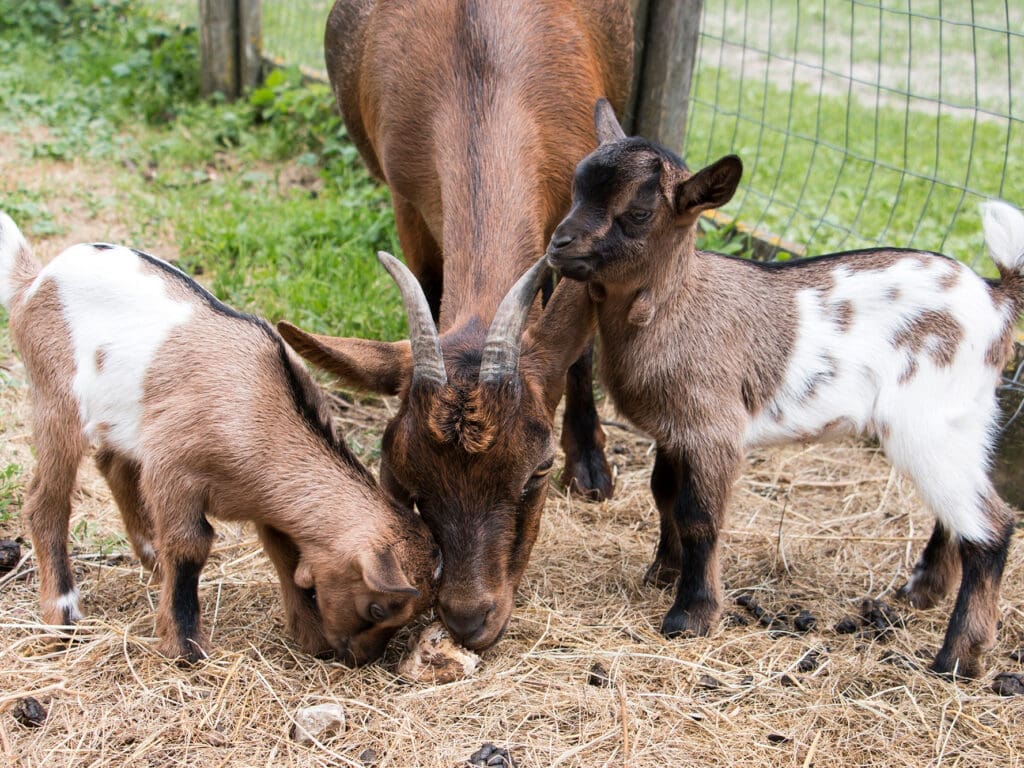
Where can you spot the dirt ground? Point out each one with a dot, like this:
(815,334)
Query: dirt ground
(815,528)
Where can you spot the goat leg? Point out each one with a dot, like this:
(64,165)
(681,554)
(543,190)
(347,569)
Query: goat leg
(586,468)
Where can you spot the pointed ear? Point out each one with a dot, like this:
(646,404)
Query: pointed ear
(557,339)
(383,573)
(608,128)
(303,576)
(710,187)
(377,366)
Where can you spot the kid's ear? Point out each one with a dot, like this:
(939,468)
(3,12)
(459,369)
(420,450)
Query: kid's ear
(303,574)
(377,366)
(383,573)
(710,187)
(607,125)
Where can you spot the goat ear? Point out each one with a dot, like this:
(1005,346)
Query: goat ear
(303,576)
(377,366)
(557,339)
(710,187)
(608,128)
(383,573)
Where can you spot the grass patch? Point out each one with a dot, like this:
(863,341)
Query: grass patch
(10,491)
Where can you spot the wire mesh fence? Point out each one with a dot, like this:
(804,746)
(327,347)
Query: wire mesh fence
(860,122)
(866,121)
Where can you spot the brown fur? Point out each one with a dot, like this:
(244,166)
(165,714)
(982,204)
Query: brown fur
(474,113)
(716,351)
(232,428)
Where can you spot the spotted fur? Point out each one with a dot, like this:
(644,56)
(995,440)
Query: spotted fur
(197,411)
(905,346)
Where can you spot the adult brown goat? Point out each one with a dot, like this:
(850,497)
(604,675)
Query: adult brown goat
(475,113)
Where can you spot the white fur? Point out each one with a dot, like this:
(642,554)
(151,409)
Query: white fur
(1004,234)
(936,426)
(11,244)
(69,602)
(112,303)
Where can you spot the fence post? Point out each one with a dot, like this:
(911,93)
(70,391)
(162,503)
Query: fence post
(640,9)
(671,34)
(230,45)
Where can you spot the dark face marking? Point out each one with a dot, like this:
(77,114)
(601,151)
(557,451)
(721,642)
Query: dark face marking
(474,475)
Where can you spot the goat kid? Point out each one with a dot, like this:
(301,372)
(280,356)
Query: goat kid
(715,355)
(197,411)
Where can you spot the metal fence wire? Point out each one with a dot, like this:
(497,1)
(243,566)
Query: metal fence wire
(864,122)
(860,122)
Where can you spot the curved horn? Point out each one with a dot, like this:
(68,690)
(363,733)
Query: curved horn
(501,350)
(427,362)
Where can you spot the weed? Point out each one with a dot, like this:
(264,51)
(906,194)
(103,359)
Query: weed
(10,492)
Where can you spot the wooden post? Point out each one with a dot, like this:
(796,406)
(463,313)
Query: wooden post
(669,53)
(230,43)
(640,10)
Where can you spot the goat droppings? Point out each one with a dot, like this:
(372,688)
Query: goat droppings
(435,658)
(316,723)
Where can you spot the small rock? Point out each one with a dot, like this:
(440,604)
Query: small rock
(846,625)
(317,723)
(778,738)
(29,712)
(809,662)
(10,555)
(707,681)
(599,676)
(368,757)
(1009,684)
(492,757)
(805,621)
(435,658)
(1017,655)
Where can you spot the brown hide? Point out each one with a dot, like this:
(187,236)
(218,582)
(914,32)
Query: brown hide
(475,113)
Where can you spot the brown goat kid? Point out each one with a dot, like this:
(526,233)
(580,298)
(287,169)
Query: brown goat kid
(198,411)
(714,355)
(475,113)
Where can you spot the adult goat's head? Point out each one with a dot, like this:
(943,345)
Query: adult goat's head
(471,445)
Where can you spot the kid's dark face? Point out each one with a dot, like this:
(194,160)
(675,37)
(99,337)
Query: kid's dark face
(618,201)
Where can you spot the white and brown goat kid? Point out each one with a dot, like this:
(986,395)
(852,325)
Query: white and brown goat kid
(198,411)
(714,355)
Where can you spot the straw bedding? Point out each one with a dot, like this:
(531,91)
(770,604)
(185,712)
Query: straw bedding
(813,528)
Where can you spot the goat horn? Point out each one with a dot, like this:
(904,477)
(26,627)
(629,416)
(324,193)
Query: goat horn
(427,362)
(501,350)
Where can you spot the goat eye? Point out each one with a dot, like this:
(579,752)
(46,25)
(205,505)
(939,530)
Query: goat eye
(639,215)
(544,468)
(377,613)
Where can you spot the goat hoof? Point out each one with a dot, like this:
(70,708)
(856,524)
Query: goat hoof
(949,666)
(186,653)
(686,624)
(660,574)
(589,477)
(919,594)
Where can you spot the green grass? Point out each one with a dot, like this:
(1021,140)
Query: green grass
(824,154)
(10,492)
(114,85)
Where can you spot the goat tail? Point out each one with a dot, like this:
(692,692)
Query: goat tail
(18,266)
(1004,235)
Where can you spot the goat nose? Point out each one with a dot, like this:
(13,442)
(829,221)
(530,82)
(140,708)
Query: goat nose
(464,621)
(561,240)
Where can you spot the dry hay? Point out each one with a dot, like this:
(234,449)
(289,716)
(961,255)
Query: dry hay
(816,527)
